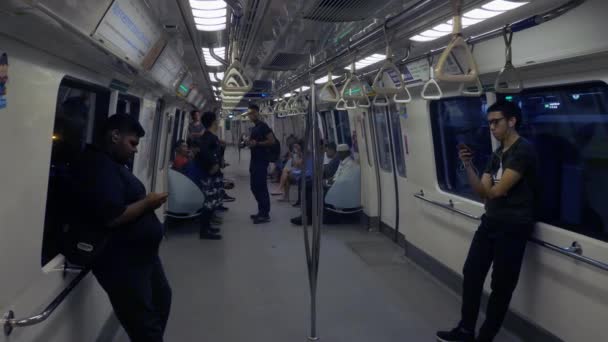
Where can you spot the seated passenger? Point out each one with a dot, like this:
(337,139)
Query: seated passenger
(346,166)
(182,155)
(290,172)
(330,168)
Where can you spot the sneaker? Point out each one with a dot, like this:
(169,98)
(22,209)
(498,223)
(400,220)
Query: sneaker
(221,208)
(213,230)
(228,198)
(455,335)
(254,216)
(216,221)
(261,219)
(297,204)
(297,221)
(209,236)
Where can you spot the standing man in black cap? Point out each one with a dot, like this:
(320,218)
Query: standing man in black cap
(110,202)
(260,141)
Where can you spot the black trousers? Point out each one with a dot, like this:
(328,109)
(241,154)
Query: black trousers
(502,244)
(258,172)
(141,299)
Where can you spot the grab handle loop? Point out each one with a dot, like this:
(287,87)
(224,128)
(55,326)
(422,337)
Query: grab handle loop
(341,105)
(364,103)
(235,79)
(403,96)
(353,88)
(329,92)
(508,74)
(457,42)
(350,104)
(381,100)
(472,93)
(431,89)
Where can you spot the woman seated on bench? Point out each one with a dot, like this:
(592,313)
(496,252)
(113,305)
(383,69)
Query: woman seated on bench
(290,172)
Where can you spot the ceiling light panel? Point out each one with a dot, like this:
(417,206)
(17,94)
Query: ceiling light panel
(211,27)
(324,79)
(209,60)
(365,62)
(207,4)
(475,16)
(209,15)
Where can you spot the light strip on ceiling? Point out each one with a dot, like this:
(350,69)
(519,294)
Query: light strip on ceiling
(475,16)
(324,79)
(209,60)
(209,15)
(367,61)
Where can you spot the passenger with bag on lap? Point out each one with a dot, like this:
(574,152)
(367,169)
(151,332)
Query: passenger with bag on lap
(509,187)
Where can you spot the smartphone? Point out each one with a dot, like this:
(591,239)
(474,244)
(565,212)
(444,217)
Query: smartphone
(462,146)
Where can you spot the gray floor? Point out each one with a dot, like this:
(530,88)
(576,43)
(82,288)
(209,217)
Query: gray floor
(253,286)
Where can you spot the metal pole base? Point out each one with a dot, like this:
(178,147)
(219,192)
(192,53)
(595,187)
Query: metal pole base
(310,338)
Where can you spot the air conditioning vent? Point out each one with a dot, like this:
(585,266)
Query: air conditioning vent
(341,10)
(286,61)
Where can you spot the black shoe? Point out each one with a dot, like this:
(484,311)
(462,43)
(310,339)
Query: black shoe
(254,216)
(213,230)
(297,221)
(455,335)
(261,219)
(228,199)
(209,236)
(297,204)
(221,208)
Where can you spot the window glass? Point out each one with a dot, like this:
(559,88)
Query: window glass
(80,112)
(397,141)
(343,127)
(459,120)
(568,125)
(382,139)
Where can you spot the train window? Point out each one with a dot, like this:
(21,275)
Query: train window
(79,114)
(397,142)
(343,128)
(453,121)
(568,125)
(382,139)
(177,130)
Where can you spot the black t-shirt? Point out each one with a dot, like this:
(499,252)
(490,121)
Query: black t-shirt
(259,133)
(211,151)
(521,202)
(103,190)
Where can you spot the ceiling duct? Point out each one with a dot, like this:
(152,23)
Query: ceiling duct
(284,61)
(341,10)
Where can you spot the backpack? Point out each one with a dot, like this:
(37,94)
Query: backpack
(274,151)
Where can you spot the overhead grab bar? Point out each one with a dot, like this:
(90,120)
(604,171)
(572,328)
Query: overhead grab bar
(427,94)
(457,41)
(508,72)
(235,78)
(10,322)
(333,95)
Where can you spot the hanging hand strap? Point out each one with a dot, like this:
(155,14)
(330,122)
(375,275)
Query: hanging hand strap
(431,89)
(333,95)
(235,79)
(508,72)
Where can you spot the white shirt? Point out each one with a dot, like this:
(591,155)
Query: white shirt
(345,168)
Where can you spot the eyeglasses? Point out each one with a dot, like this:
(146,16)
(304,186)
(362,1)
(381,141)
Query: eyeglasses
(495,121)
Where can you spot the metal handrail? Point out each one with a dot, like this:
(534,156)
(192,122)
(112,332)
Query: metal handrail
(9,322)
(449,206)
(574,251)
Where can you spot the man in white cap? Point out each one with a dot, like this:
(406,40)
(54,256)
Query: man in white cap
(346,163)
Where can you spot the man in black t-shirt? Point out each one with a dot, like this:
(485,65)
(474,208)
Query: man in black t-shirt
(110,201)
(509,187)
(209,160)
(260,140)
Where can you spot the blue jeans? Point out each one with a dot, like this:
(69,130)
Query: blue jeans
(258,172)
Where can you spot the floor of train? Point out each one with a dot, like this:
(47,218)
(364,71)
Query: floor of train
(253,286)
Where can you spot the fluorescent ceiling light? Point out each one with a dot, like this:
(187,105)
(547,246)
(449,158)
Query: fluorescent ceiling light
(219,78)
(209,14)
(210,21)
(367,61)
(209,60)
(211,27)
(324,79)
(303,88)
(483,14)
(207,4)
(288,95)
(472,17)
(501,5)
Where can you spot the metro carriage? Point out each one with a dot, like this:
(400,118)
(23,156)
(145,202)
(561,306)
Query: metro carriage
(401,82)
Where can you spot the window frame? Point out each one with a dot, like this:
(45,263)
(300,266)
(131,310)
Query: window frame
(393,114)
(387,164)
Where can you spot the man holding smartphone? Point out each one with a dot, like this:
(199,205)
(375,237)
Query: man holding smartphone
(509,188)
